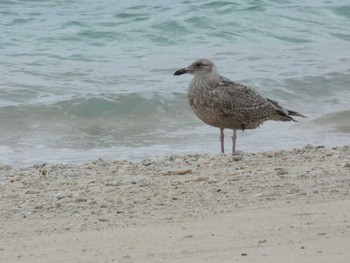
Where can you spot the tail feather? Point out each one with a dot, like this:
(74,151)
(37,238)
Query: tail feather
(283,113)
(294,113)
(283,116)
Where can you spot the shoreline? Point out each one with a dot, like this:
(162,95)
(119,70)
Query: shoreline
(298,188)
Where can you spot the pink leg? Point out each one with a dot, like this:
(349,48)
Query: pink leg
(222,139)
(234,137)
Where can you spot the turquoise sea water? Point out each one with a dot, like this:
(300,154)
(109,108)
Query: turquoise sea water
(82,80)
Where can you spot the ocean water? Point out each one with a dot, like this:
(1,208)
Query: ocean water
(83,80)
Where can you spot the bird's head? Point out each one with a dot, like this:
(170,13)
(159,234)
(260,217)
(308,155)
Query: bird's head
(200,68)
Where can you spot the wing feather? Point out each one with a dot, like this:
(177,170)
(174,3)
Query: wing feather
(236,99)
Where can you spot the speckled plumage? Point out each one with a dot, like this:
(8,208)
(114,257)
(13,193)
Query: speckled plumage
(227,104)
(223,103)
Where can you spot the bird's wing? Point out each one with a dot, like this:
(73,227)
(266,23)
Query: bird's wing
(238,100)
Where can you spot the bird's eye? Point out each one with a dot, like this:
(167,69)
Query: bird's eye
(198,64)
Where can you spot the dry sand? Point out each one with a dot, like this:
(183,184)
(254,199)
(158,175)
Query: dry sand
(287,206)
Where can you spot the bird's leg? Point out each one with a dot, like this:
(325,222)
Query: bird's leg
(222,140)
(234,137)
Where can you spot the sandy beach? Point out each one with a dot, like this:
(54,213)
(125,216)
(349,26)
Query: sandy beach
(286,206)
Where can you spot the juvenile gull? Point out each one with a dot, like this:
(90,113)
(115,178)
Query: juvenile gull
(225,104)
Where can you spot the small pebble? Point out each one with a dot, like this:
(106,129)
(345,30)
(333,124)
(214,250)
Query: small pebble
(181,172)
(281,171)
(202,178)
(80,199)
(320,147)
(237,158)
(32,191)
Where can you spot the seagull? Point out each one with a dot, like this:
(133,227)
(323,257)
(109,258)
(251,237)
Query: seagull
(225,104)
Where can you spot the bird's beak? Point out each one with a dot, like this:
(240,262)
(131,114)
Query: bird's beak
(181,71)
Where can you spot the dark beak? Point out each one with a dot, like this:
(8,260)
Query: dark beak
(180,72)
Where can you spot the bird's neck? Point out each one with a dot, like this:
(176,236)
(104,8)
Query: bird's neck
(209,79)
